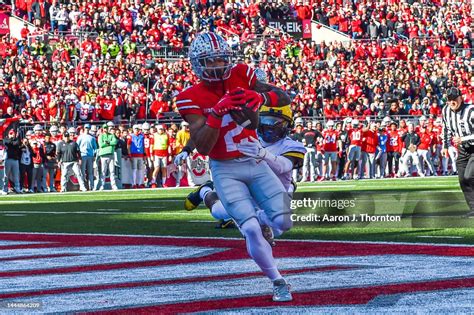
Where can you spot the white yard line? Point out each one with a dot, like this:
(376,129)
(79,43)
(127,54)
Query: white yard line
(234,238)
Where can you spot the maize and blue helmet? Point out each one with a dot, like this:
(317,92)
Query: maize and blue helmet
(207,48)
(275,123)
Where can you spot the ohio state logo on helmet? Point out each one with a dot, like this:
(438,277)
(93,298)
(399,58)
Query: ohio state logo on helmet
(210,57)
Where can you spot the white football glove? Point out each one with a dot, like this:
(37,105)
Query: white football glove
(180,158)
(252,148)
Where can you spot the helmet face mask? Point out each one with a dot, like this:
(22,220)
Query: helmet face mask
(210,57)
(215,68)
(272,128)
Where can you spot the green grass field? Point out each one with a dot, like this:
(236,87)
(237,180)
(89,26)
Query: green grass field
(431,210)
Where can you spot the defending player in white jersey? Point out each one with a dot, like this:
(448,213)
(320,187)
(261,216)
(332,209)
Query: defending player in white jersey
(280,152)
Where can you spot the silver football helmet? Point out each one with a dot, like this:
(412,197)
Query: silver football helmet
(206,49)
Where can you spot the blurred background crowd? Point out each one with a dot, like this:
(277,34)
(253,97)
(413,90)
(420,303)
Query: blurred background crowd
(125,61)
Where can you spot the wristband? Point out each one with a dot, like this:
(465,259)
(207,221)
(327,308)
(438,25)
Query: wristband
(213,121)
(273,99)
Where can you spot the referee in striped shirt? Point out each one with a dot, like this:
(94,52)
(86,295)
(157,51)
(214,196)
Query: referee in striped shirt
(458,126)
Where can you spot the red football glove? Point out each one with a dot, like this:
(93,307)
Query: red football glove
(229,102)
(254,99)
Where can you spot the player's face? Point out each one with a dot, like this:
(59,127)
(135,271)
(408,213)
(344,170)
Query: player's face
(215,68)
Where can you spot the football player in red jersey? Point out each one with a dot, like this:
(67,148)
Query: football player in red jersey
(240,181)
(354,150)
(330,136)
(148,143)
(425,149)
(394,149)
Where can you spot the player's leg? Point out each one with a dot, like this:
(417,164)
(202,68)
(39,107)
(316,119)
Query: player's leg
(134,172)
(230,179)
(163,165)
(383,164)
(156,169)
(350,158)
(313,165)
(65,169)
(140,175)
(270,195)
(417,163)
(371,160)
(429,162)
(363,165)
(333,158)
(77,171)
(306,165)
(325,165)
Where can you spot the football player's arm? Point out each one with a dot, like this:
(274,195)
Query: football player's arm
(203,136)
(296,158)
(272,96)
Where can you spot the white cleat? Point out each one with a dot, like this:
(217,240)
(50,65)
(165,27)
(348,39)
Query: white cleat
(281,291)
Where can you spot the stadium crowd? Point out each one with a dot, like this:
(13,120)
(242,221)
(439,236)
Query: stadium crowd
(142,156)
(104,69)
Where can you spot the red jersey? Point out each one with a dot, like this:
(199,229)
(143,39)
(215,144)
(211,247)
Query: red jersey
(394,143)
(107,109)
(355,135)
(148,144)
(199,100)
(426,141)
(371,141)
(330,140)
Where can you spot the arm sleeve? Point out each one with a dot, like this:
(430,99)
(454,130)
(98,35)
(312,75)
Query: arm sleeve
(114,141)
(279,164)
(187,106)
(102,143)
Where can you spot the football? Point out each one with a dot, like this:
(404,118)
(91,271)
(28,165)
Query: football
(246,118)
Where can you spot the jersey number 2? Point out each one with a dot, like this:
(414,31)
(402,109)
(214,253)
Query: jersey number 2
(229,136)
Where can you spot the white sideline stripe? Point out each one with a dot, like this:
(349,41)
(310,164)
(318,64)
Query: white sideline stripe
(10,243)
(377,270)
(99,212)
(235,238)
(438,236)
(13,215)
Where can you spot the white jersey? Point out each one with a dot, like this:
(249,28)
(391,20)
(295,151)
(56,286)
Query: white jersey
(290,148)
(84,110)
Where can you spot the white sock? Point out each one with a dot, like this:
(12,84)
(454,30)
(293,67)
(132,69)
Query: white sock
(204,191)
(218,212)
(259,249)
